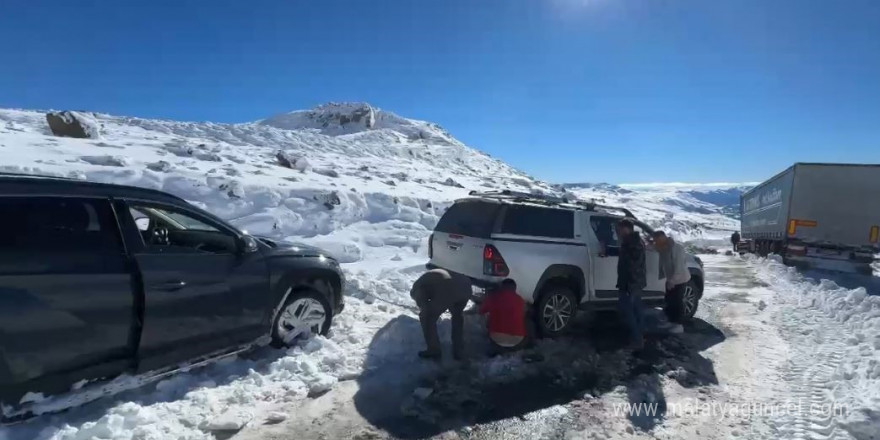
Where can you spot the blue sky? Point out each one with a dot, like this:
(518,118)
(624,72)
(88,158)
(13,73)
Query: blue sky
(568,90)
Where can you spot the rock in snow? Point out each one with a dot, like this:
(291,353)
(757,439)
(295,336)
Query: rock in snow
(231,420)
(290,161)
(329,172)
(109,161)
(160,166)
(73,124)
(451,182)
(276,417)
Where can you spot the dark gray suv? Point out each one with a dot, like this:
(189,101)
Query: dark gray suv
(97,280)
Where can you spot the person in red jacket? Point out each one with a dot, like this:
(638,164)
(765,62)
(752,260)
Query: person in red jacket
(507,318)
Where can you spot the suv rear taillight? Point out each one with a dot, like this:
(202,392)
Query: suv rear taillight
(493,262)
(431,246)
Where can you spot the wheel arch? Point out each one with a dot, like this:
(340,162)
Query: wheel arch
(697,277)
(568,274)
(323,280)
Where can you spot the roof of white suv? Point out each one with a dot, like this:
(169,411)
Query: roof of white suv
(547,201)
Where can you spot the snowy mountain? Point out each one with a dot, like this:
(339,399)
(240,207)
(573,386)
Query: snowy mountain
(724,195)
(373,166)
(676,209)
(726,198)
(310,174)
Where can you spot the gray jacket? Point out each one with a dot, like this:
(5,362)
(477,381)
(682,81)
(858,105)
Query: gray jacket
(441,289)
(673,264)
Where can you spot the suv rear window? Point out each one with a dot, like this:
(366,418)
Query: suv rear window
(539,222)
(470,218)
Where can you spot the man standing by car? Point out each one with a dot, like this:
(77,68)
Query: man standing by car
(435,292)
(734,240)
(673,266)
(631,281)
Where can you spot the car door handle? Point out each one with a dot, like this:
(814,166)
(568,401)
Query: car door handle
(170,286)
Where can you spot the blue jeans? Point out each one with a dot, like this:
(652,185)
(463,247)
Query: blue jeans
(629,304)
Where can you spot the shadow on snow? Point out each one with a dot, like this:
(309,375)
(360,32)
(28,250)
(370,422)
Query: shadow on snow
(487,390)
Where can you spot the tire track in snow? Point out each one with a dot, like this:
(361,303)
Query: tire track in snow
(817,348)
(817,354)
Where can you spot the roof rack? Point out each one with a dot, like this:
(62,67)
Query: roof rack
(547,200)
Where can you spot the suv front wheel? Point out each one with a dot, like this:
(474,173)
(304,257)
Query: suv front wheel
(555,310)
(305,313)
(681,305)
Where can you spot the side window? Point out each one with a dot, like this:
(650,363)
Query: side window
(171,230)
(605,229)
(58,224)
(539,222)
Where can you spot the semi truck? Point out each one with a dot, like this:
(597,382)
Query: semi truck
(815,213)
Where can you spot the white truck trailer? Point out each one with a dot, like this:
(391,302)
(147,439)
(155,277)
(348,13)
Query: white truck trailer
(814,213)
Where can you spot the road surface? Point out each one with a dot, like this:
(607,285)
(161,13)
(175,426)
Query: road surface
(753,364)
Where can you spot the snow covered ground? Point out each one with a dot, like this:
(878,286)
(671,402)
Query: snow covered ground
(368,186)
(771,355)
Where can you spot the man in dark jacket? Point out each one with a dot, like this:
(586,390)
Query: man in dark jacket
(734,239)
(631,280)
(435,292)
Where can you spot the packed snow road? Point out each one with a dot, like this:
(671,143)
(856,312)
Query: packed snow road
(771,355)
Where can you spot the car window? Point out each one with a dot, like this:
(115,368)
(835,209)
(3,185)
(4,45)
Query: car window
(190,223)
(140,219)
(605,229)
(168,229)
(58,224)
(470,218)
(539,222)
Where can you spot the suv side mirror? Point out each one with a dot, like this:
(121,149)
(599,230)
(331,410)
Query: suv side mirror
(246,244)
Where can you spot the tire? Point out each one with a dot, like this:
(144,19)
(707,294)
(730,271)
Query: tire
(306,307)
(555,310)
(682,304)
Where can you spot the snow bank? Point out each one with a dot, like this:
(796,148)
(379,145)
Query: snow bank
(856,381)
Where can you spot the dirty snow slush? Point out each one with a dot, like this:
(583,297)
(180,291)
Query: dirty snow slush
(766,357)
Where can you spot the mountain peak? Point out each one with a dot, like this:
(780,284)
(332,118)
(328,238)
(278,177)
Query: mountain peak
(348,118)
(333,118)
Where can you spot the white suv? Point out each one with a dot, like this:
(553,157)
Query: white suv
(553,248)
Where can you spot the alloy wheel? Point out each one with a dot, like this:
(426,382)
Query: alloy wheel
(303,317)
(689,298)
(557,312)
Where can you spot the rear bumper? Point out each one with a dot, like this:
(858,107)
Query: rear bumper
(476,282)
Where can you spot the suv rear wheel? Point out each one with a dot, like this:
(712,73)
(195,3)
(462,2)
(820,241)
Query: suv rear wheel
(306,312)
(555,310)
